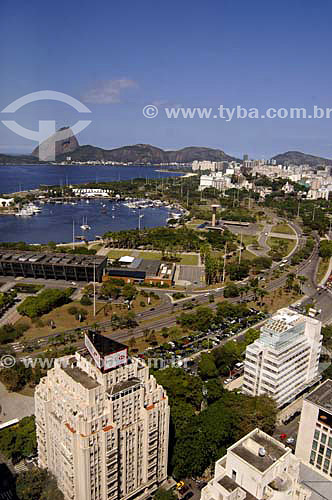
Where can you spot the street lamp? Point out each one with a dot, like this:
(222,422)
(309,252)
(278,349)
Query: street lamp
(139,221)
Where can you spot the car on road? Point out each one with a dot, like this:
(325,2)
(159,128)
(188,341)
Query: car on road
(290,440)
(73,283)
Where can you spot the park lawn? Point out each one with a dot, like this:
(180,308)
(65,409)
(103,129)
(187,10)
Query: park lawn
(65,321)
(282,228)
(272,241)
(116,253)
(247,255)
(247,239)
(194,223)
(322,269)
(95,246)
(189,260)
(150,255)
(276,300)
(62,319)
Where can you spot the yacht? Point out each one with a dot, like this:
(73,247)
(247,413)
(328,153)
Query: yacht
(85,226)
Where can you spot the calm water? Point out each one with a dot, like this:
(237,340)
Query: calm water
(55,222)
(19,178)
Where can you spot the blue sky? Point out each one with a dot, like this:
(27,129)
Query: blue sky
(118,57)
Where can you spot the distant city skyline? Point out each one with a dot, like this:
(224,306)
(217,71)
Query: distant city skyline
(117,60)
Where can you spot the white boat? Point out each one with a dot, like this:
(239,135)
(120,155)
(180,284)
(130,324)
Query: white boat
(85,226)
(34,208)
(25,212)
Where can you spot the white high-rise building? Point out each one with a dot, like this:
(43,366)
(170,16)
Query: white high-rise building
(258,467)
(314,440)
(102,424)
(284,360)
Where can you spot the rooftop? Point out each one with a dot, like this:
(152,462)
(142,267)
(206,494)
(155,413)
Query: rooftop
(284,319)
(228,483)
(322,396)
(57,259)
(104,345)
(259,450)
(81,377)
(122,386)
(320,486)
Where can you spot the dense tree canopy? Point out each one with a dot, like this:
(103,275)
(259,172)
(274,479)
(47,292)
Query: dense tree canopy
(37,484)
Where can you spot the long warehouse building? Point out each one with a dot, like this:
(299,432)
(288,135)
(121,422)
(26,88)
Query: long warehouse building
(63,266)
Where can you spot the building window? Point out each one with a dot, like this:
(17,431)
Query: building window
(330,442)
(314,445)
(234,475)
(312,457)
(323,438)
(319,460)
(328,452)
(321,449)
(316,434)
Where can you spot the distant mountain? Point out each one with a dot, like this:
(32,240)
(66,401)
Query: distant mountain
(65,142)
(19,160)
(298,158)
(147,154)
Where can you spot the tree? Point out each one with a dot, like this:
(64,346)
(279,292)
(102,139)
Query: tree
(162,494)
(325,249)
(110,289)
(85,300)
(19,441)
(207,367)
(37,484)
(214,390)
(132,343)
(231,290)
(129,292)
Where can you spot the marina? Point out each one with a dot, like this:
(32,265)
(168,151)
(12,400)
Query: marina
(82,219)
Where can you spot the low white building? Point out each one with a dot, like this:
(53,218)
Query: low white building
(256,467)
(6,202)
(284,360)
(91,192)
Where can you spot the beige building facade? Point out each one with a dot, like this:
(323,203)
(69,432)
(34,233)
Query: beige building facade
(103,433)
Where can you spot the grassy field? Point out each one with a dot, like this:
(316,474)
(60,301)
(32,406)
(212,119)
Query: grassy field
(189,260)
(282,228)
(248,239)
(116,254)
(194,223)
(322,269)
(289,244)
(246,255)
(150,255)
(276,300)
(65,321)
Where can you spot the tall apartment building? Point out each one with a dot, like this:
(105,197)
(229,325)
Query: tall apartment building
(256,467)
(314,440)
(284,360)
(102,424)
